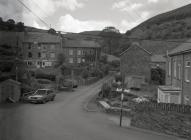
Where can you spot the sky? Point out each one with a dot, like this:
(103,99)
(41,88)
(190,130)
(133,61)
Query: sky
(85,15)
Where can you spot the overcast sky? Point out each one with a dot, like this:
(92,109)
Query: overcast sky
(84,15)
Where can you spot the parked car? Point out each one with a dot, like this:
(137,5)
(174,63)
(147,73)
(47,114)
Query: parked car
(41,96)
(70,82)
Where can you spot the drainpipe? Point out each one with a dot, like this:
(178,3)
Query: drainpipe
(182,81)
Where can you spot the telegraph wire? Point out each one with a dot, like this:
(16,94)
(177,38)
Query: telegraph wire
(33,13)
(39,7)
(101,36)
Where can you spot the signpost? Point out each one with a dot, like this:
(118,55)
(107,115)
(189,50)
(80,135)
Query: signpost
(122,97)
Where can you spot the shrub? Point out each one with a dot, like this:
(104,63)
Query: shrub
(45,76)
(85,74)
(106,89)
(118,78)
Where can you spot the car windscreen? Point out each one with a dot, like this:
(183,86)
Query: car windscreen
(40,92)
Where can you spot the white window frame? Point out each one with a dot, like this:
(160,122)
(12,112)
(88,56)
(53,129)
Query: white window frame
(79,60)
(174,67)
(52,55)
(52,46)
(79,52)
(71,52)
(169,68)
(187,68)
(71,60)
(179,71)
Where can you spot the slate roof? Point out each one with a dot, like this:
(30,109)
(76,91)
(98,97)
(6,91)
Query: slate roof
(183,48)
(41,37)
(110,58)
(80,44)
(158,58)
(137,45)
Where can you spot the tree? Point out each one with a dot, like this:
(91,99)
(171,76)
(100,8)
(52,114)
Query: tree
(52,31)
(111,38)
(60,59)
(20,26)
(10,24)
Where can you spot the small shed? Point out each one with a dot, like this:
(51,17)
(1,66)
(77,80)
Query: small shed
(10,89)
(169,94)
(134,81)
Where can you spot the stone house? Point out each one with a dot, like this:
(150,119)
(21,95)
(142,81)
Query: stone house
(40,50)
(78,51)
(178,76)
(136,63)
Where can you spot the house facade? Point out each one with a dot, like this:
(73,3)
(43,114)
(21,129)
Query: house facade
(78,51)
(136,63)
(40,50)
(178,72)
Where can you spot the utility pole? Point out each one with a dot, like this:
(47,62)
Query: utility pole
(72,75)
(122,97)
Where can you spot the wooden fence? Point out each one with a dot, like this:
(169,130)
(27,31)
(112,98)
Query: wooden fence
(165,107)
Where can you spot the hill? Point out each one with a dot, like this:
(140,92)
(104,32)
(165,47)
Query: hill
(174,25)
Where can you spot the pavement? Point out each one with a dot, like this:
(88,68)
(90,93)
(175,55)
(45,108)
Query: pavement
(66,119)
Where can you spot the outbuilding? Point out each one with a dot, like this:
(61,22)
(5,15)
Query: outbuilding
(10,90)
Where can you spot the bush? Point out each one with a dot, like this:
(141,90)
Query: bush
(85,74)
(45,76)
(158,76)
(106,89)
(118,78)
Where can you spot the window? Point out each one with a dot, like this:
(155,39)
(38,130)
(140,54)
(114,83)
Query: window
(179,71)
(29,63)
(70,60)
(169,68)
(43,55)
(79,60)
(39,46)
(187,69)
(30,55)
(79,52)
(39,54)
(175,68)
(48,63)
(29,46)
(52,55)
(52,47)
(70,52)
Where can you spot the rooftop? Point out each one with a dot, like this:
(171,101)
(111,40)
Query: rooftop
(80,44)
(183,48)
(41,37)
(158,58)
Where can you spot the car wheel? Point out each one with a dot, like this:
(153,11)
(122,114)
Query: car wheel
(52,99)
(43,101)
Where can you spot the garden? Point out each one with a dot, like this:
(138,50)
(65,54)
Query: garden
(145,112)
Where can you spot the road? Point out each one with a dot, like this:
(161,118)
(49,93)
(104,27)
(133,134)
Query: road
(65,119)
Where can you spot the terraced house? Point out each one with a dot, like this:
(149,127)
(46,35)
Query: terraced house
(178,76)
(40,50)
(78,51)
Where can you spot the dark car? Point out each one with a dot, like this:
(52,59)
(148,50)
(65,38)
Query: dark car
(70,82)
(41,96)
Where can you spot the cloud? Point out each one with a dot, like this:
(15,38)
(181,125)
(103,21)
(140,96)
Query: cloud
(42,8)
(152,1)
(126,5)
(129,24)
(70,4)
(70,24)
